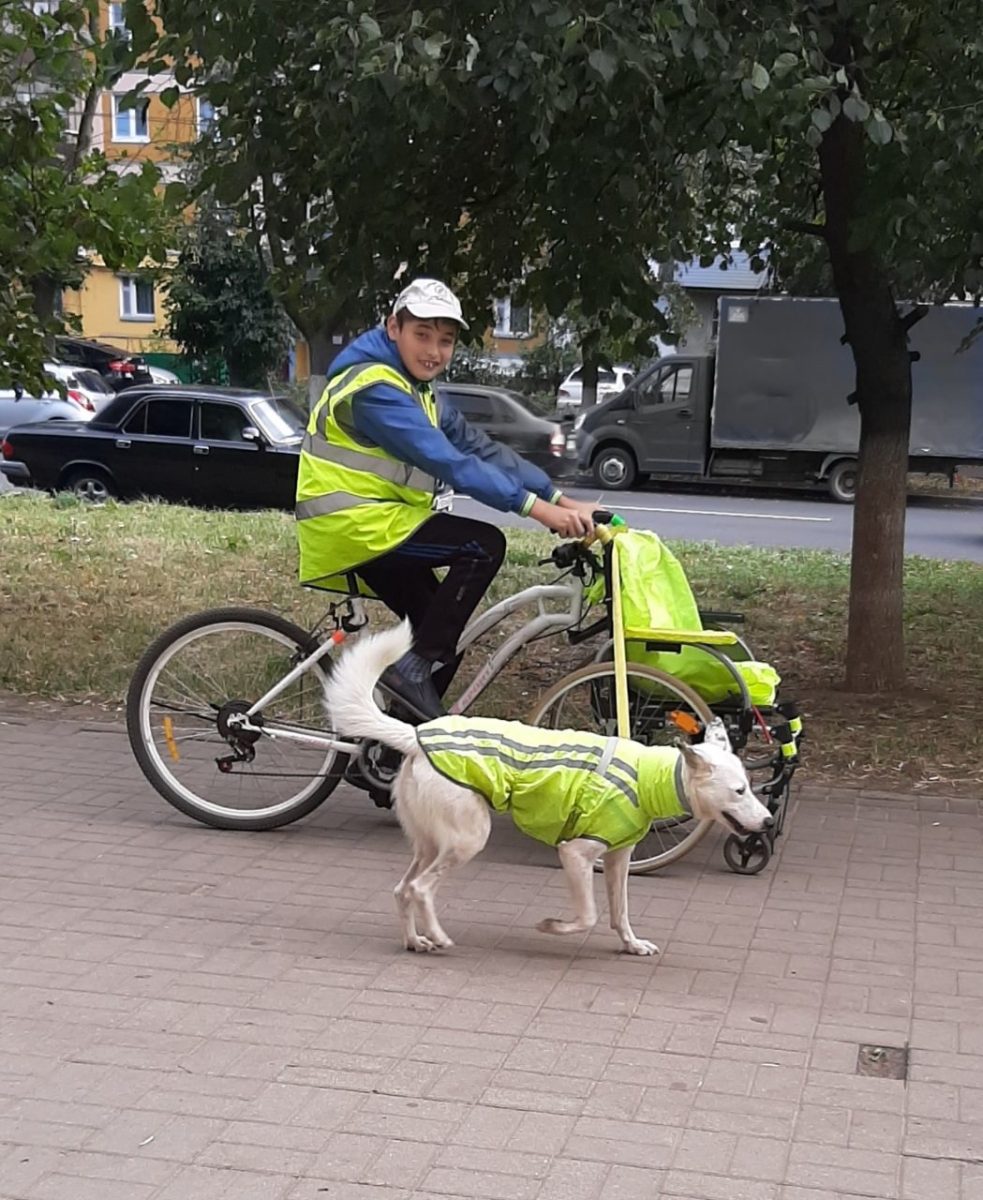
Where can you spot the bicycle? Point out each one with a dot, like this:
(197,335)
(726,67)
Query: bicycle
(225,707)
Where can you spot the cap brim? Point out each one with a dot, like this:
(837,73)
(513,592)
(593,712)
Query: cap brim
(434,312)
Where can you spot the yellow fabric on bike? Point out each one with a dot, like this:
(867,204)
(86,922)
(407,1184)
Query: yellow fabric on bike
(559,784)
(656,597)
(355,501)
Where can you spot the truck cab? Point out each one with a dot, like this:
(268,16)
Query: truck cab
(657,425)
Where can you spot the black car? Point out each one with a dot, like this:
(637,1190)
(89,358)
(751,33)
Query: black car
(213,447)
(503,415)
(119,369)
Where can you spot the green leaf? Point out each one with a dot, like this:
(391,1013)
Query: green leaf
(604,63)
(369,27)
(879,129)
(689,13)
(169,96)
(822,119)
(783,64)
(759,77)
(855,109)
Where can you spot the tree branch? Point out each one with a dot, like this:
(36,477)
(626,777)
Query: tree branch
(918,313)
(809,228)
(83,139)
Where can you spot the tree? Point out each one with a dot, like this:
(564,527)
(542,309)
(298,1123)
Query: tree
(60,197)
(220,306)
(855,125)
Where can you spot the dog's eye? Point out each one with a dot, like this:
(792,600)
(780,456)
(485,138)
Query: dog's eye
(741,790)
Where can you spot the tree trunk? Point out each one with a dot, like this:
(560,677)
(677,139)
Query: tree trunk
(878,339)
(45,290)
(322,350)
(588,385)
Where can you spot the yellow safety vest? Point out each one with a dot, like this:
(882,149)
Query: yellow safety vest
(355,501)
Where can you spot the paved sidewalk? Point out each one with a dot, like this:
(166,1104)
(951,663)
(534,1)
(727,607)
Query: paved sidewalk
(194,1015)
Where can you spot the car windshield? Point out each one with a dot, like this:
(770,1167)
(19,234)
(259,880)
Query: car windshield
(279,418)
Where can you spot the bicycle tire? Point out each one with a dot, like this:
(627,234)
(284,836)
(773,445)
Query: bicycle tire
(605,670)
(278,630)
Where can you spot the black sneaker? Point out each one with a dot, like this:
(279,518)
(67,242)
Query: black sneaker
(420,698)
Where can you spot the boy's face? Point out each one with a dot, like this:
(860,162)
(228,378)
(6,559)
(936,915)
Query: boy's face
(425,346)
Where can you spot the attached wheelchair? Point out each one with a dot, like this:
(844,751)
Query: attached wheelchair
(685,667)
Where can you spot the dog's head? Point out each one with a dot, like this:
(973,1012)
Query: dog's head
(717,785)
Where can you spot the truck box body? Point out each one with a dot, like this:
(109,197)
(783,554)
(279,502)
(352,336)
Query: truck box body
(782,378)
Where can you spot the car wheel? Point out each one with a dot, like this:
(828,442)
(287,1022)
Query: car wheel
(92,485)
(615,468)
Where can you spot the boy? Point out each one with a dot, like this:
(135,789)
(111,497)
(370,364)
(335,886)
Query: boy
(379,447)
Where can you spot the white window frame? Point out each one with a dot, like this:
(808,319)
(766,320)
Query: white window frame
(210,124)
(131,115)
(129,295)
(503,319)
(117,21)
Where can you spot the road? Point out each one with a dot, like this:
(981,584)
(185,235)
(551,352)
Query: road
(933,529)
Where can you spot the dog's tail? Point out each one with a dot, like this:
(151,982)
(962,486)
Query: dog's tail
(349,690)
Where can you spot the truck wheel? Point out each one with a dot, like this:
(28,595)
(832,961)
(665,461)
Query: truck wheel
(842,481)
(615,469)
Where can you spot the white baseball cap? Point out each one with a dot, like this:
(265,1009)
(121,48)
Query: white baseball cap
(429,299)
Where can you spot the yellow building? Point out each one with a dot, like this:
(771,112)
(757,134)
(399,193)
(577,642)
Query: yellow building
(127,310)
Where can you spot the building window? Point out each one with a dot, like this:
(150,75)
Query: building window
(130,124)
(206,116)
(136,298)
(117,21)
(512,319)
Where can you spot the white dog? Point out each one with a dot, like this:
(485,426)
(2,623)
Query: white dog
(591,796)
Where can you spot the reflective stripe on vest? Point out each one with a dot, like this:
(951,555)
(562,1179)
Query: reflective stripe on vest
(395,472)
(331,502)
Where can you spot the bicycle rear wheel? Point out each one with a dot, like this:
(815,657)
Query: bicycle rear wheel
(190,680)
(662,711)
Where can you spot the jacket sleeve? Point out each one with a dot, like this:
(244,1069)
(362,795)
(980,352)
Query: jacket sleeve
(393,420)
(471,440)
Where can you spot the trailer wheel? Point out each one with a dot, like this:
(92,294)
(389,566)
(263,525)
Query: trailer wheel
(842,481)
(615,468)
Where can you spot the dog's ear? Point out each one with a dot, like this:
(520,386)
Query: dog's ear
(693,759)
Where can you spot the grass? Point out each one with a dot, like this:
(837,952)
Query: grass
(83,591)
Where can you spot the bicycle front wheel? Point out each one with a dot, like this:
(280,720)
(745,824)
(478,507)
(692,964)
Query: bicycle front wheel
(662,711)
(196,675)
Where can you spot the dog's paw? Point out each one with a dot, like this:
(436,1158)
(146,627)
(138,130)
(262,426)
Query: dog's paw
(421,944)
(555,925)
(638,946)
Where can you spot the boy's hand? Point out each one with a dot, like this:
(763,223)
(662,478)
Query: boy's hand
(586,508)
(568,522)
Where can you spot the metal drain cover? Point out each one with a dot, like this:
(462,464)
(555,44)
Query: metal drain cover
(883,1062)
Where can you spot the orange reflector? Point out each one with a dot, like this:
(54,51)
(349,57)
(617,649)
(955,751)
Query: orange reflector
(686,722)
(169,739)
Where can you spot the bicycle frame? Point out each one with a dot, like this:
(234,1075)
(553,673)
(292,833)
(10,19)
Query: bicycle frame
(572,591)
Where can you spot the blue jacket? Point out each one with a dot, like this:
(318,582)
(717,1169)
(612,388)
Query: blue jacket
(457,453)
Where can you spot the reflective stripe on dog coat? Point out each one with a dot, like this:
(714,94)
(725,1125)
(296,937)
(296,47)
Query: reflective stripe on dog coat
(559,784)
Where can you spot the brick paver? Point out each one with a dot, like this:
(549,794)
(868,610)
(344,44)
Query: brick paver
(187,1014)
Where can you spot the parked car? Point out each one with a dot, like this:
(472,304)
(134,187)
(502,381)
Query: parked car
(212,447)
(609,383)
(503,415)
(162,375)
(119,368)
(18,407)
(84,386)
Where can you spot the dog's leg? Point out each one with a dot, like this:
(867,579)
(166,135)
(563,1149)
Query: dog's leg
(616,881)
(404,900)
(421,890)
(577,859)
